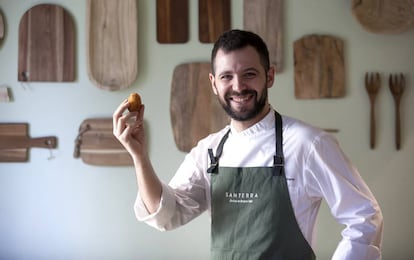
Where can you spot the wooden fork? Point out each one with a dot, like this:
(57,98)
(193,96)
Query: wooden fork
(372,84)
(397,85)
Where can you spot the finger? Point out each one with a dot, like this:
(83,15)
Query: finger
(118,112)
(123,121)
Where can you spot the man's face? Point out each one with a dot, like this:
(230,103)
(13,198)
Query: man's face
(241,83)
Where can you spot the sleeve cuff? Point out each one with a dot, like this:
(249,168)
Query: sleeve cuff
(162,215)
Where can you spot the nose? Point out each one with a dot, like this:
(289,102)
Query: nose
(238,84)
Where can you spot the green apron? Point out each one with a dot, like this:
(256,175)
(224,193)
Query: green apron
(251,212)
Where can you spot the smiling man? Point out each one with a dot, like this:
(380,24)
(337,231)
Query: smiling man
(262,178)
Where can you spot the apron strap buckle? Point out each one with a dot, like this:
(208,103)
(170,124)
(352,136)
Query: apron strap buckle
(278,161)
(213,162)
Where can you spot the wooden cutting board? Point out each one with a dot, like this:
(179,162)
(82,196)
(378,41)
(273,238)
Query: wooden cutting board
(172,21)
(214,18)
(1,26)
(46,45)
(96,144)
(264,17)
(195,111)
(15,142)
(112,43)
(384,16)
(319,67)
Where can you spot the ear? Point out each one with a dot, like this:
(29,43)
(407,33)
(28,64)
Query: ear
(213,83)
(270,76)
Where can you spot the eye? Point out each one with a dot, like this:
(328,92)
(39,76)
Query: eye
(226,77)
(250,74)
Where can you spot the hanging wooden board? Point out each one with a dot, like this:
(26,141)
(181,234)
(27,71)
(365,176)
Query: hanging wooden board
(195,111)
(1,26)
(319,67)
(112,43)
(172,21)
(15,142)
(264,17)
(384,16)
(213,19)
(96,144)
(46,45)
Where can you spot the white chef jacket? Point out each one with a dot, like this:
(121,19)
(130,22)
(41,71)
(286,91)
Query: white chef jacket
(315,169)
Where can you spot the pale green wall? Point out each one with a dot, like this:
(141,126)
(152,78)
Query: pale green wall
(64,209)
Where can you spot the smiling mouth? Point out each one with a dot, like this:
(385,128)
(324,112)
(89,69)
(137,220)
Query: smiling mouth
(241,98)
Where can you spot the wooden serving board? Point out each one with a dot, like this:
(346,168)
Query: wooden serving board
(15,142)
(213,19)
(112,43)
(264,17)
(172,21)
(46,45)
(319,67)
(195,111)
(96,144)
(1,26)
(384,16)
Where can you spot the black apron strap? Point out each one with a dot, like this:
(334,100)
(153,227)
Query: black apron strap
(214,159)
(278,160)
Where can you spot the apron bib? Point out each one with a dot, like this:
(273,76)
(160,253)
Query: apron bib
(251,212)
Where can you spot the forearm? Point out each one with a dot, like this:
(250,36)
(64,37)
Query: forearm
(148,183)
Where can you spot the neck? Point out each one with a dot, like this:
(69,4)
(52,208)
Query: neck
(240,126)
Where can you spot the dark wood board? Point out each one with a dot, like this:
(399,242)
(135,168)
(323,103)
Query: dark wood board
(172,21)
(214,18)
(46,45)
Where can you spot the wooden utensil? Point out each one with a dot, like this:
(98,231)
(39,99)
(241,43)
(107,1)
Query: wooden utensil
(172,21)
(372,85)
(397,86)
(384,16)
(96,144)
(264,17)
(46,45)
(15,142)
(195,111)
(112,43)
(319,67)
(213,19)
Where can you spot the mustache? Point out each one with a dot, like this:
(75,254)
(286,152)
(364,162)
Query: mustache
(242,93)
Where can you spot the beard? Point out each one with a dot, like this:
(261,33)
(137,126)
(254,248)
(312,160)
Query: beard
(244,113)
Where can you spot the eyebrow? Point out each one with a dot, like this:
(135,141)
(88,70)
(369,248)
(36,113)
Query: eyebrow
(245,70)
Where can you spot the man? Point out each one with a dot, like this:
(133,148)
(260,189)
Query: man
(262,178)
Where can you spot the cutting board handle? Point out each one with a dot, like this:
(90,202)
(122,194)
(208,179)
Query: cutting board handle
(16,142)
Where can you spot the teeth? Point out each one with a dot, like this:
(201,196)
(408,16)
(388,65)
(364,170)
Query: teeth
(241,99)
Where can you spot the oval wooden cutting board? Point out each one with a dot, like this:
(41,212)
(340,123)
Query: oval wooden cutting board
(112,43)
(46,44)
(195,111)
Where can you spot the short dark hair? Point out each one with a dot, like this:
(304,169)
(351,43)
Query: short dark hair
(238,39)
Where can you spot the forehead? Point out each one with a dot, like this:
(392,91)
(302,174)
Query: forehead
(244,58)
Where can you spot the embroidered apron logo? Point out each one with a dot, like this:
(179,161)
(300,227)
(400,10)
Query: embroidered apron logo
(241,197)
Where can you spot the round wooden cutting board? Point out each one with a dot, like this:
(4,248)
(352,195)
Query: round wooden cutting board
(384,16)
